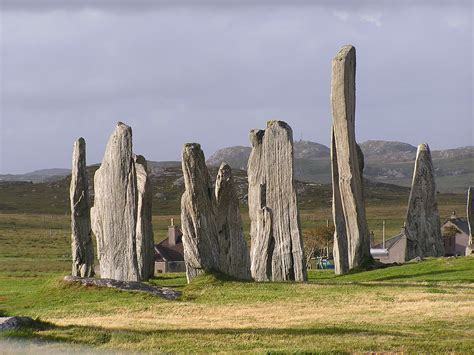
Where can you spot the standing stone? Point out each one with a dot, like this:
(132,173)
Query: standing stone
(470,220)
(351,235)
(277,246)
(198,216)
(114,215)
(234,258)
(145,240)
(340,250)
(423,226)
(81,240)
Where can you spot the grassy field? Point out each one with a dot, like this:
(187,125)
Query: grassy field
(427,306)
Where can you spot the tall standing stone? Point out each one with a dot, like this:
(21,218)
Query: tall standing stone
(277,245)
(198,215)
(423,226)
(145,240)
(81,240)
(234,256)
(351,235)
(470,220)
(121,200)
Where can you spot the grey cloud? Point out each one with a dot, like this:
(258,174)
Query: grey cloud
(178,72)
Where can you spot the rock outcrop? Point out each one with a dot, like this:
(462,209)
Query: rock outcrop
(234,258)
(81,240)
(118,205)
(351,237)
(198,215)
(470,220)
(129,286)
(277,246)
(423,226)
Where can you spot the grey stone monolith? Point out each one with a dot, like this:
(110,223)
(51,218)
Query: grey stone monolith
(198,215)
(81,240)
(423,226)
(121,199)
(351,237)
(470,220)
(277,246)
(234,258)
(145,240)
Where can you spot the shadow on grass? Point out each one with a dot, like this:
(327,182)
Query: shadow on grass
(91,335)
(420,274)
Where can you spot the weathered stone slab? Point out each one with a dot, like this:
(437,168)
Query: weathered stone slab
(198,215)
(145,240)
(277,246)
(340,249)
(114,215)
(351,231)
(130,286)
(81,240)
(234,258)
(470,220)
(423,226)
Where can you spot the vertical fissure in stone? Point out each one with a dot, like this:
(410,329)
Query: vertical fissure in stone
(263,195)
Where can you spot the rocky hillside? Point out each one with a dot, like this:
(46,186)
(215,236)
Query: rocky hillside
(168,186)
(387,162)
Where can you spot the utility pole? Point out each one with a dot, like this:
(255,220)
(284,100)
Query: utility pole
(383,234)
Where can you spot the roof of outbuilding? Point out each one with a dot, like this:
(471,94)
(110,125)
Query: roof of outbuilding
(460,223)
(389,243)
(166,252)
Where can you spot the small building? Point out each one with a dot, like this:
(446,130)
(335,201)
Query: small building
(455,233)
(392,250)
(169,253)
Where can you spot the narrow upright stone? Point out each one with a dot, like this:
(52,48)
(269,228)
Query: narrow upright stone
(114,215)
(423,226)
(277,246)
(81,240)
(470,220)
(340,249)
(198,215)
(351,235)
(145,240)
(234,256)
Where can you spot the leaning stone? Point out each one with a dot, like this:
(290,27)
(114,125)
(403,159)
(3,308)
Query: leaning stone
(234,259)
(114,215)
(198,215)
(81,240)
(130,286)
(470,220)
(277,246)
(423,226)
(351,235)
(145,240)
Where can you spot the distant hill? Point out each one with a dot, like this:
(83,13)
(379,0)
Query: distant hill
(237,157)
(386,162)
(37,176)
(168,186)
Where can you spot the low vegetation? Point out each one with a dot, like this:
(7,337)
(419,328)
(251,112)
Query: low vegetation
(425,306)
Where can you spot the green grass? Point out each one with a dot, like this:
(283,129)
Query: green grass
(419,307)
(367,311)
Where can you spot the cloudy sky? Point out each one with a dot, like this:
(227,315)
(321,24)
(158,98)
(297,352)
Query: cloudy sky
(209,71)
